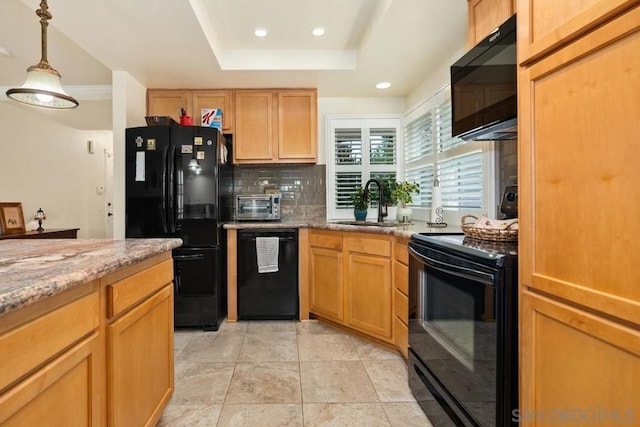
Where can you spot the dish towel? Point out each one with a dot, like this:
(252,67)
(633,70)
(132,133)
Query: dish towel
(267,251)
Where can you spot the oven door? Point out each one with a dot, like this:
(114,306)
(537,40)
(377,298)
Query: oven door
(456,335)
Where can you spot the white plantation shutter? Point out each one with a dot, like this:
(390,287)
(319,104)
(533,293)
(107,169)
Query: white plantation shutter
(461,181)
(359,149)
(431,152)
(424,177)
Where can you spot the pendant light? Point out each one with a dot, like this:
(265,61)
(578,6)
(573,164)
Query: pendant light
(43,88)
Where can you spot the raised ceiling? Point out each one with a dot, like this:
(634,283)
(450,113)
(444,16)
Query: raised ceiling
(210,43)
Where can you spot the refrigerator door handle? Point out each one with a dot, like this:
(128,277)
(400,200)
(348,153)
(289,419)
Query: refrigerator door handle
(163,197)
(172,190)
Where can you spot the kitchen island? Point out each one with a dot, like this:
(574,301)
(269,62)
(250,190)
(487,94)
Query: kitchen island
(86,331)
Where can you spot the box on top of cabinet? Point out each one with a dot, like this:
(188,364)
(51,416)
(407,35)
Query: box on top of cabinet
(211,117)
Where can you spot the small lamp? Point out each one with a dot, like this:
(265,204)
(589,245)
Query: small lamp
(40,215)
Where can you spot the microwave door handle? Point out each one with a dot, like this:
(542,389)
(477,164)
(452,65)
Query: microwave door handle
(466,273)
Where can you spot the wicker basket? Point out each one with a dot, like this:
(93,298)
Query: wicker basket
(506,235)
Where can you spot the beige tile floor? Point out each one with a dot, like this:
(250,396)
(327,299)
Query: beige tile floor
(285,373)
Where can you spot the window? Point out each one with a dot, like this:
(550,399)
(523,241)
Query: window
(359,149)
(464,169)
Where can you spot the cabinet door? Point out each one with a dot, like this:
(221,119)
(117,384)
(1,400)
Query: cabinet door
(369,305)
(65,392)
(221,99)
(578,173)
(254,130)
(168,103)
(576,365)
(543,25)
(140,361)
(326,288)
(487,15)
(298,126)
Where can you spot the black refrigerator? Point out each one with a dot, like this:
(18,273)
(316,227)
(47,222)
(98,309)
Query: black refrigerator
(179,183)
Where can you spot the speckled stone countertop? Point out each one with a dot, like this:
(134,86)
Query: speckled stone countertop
(400,230)
(35,269)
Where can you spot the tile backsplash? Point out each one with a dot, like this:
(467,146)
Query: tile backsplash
(508,162)
(303,188)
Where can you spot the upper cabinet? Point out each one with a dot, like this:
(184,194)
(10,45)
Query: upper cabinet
(269,125)
(544,25)
(276,126)
(220,99)
(487,15)
(169,102)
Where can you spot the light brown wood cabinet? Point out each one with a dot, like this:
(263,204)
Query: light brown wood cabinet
(368,284)
(275,126)
(350,281)
(51,364)
(401,295)
(98,354)
(140,346)
(169,102)
(577,148)
(544,25)
(326,293)
(485,16)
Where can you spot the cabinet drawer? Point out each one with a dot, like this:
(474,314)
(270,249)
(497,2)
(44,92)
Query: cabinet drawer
(327,240)
(401,333)
(133,289)
(401,278)
(369,246)
(401,252)
(28,346)
(402,307)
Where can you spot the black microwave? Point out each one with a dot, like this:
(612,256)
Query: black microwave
(484,86)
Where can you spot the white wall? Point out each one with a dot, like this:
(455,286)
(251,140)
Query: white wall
(129,110)
(45,164)
(433,82)
(327,106)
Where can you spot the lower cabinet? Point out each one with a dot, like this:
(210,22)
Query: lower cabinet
(140,359)
(98,354)
(65,392)
(401,298)
(577,365)
(368,272)
(350,281)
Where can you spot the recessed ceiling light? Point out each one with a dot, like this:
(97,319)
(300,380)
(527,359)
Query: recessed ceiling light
(260,32)
(383,85)
(318,31)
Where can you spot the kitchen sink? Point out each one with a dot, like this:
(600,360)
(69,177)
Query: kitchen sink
(369,223)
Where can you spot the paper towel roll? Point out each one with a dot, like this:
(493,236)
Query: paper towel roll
(436,203)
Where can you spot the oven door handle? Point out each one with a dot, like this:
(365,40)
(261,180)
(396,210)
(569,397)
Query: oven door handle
(456,270)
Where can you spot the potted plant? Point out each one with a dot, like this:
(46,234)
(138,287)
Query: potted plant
(402,193)
(360,203)
(389,199)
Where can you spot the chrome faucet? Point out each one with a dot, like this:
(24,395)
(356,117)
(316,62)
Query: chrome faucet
(381,214)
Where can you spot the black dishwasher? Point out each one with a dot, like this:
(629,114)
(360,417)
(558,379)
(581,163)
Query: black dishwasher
(270,295)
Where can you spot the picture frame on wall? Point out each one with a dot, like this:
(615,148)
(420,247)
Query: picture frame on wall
(11,218)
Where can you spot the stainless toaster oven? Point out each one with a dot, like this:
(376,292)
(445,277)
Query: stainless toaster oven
(258,207)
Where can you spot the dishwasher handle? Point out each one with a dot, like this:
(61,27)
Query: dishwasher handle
(282,239)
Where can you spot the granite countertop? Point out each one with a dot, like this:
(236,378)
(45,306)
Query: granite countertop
(33,270)
(400,230)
